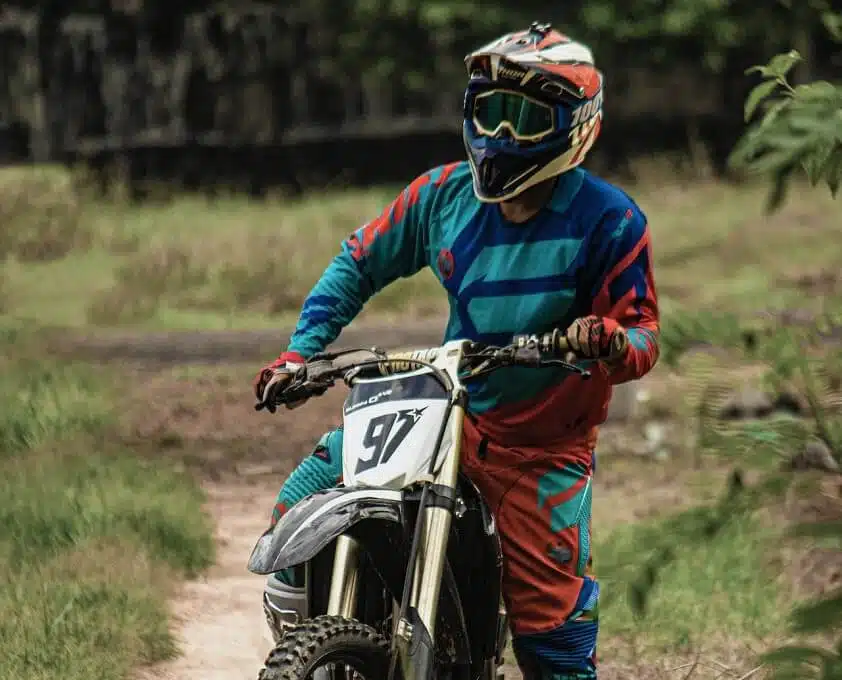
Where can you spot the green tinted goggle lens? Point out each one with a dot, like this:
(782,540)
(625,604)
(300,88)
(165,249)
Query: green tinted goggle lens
(525,118)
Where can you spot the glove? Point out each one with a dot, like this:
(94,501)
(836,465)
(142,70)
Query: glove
(273,379)
(596,337)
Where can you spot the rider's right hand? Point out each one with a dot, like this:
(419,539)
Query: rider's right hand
(274,378)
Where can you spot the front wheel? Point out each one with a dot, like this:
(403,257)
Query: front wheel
(328,648)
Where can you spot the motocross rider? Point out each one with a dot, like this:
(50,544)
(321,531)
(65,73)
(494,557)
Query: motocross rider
(523,241)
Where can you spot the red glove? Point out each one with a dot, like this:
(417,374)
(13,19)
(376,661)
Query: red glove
(596,337)
(284,367)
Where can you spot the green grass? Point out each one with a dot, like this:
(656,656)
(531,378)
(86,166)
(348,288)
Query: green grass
(43,403)
(88,550)
(716,249)
(93,537)
(236,263)
(713,589)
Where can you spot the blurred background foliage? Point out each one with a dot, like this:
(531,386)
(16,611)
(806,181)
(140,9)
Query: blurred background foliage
(140,78)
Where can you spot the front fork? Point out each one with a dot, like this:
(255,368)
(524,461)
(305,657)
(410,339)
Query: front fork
(415,631)
(344,580)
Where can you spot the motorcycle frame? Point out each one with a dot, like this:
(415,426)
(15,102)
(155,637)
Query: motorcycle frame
(414,628)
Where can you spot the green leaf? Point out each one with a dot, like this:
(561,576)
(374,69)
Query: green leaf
(818,89)
(778,66)
(757,95)
(833,169)
(822,615)
(781,64)
(793,662)
(775,160)
(815,163)
(833,23)
(778,193)
(774,111)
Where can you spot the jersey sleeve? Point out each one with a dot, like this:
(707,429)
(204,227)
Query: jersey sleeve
(391,246)
(625,289)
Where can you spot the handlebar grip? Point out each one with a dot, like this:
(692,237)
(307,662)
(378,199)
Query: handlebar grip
(553,343)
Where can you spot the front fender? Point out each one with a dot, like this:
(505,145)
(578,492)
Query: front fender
(312,523)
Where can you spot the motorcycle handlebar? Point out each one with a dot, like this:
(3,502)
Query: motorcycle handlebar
(321,371)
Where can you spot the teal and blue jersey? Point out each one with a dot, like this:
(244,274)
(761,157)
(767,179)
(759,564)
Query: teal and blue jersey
(587,252)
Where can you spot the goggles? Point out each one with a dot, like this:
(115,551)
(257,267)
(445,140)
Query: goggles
(526,119)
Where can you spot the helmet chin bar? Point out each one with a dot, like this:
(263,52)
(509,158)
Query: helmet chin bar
(555,167)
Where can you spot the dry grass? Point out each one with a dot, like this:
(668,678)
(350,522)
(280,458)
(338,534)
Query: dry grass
(41,215)
(232,262)
(5,301)
(196,262)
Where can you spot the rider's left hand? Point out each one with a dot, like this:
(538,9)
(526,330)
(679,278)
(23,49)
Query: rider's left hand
(596,337)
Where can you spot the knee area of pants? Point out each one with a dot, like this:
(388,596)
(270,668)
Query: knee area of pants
(320,470)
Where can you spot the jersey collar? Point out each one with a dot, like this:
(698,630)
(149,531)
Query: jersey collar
(566,188)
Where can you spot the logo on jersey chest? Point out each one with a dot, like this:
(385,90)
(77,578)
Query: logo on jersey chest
(445,263)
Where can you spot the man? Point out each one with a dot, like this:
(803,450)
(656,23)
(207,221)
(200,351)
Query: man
(523,241)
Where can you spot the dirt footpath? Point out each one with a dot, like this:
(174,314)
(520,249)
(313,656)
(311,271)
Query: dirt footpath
(181,347)
(218,618)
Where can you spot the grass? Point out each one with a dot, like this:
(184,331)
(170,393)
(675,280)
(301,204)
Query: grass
(93,537)
(193,262)
(41,404)
(715,248)
(710,590)
(233,263)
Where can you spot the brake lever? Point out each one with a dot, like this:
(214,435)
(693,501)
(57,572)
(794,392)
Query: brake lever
(583,373)
(531,356)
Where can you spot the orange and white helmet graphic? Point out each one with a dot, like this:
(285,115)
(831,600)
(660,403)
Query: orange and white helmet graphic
(533,109)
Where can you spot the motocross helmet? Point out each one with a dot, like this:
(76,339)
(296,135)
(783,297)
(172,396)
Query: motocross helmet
(533,109)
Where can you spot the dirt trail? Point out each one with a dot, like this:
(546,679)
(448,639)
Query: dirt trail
(218,618)
(212,346)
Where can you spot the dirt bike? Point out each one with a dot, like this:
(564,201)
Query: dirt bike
(402,563)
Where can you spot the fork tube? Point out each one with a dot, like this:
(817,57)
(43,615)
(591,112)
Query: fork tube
(343,582)
(437,520)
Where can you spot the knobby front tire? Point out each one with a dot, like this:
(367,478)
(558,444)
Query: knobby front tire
(323,640)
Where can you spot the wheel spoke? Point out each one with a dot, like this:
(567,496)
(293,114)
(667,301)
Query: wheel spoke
(333,671)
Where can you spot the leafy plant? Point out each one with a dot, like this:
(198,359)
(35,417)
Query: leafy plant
(801,128)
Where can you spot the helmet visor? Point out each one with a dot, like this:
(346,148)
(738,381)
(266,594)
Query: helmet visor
(525,119)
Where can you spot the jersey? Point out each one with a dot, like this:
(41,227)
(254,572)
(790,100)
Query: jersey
(587,252)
